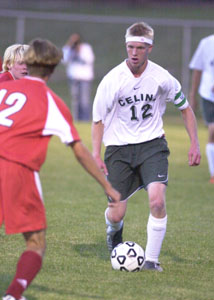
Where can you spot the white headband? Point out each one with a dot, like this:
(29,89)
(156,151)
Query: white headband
(140,39)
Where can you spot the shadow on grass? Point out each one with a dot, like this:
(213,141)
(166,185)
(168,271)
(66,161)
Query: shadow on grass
(6,279)
(64,293)
(98,250)
(174,257)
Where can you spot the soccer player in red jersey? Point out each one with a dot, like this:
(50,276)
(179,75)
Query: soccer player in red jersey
(13,66)
(30,113)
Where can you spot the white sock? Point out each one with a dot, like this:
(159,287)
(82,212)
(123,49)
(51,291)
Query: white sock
(112,227)
(156,229)
(210,157)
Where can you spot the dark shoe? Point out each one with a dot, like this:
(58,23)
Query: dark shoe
(151,265)
(114,238)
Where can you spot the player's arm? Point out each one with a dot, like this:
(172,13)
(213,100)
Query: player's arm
(194,154)
(97,136)
(85,158)
(180,101)
(196,78)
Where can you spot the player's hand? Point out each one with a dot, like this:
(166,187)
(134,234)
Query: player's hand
(73,39)
(101,165)
(114,197)
(194,155)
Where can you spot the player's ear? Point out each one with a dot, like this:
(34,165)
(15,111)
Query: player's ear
(150,48)
(9,66)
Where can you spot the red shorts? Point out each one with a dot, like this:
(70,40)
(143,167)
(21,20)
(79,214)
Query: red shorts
(21,205)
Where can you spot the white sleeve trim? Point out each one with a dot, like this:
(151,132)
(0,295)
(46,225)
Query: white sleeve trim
(56,123)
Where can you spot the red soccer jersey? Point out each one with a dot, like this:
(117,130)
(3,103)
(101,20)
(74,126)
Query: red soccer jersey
(0,64)
(6,76)
(30,113)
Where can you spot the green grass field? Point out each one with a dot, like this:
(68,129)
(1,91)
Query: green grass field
(77,264)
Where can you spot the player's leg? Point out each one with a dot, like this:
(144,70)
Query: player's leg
(118,162)
(74,92)
(208,115)
(114,224)
(29,263)
(210,150)
(154,172)
(85,101)
(23,212)
(157,222)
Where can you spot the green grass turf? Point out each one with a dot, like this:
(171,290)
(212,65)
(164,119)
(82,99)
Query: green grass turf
(77,264)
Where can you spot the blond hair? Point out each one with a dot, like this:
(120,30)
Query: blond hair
(42,57)
(140,29)
(14,53)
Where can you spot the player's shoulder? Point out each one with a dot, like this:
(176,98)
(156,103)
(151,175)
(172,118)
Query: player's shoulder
(39,85)
(156,67)
(6,76)
(57,99)
(32,85)
(162,76)
(207,40)
(115,72)
(53,94)
(86,46)
(158,71)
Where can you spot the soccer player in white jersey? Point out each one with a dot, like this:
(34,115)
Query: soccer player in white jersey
(127,117)
(202,65)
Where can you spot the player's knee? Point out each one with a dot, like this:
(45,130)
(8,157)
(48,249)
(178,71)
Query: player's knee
(117,218)
(157,205)
(36,242)
(115,215)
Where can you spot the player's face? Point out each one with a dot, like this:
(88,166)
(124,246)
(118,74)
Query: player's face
(137,55)
(18,70)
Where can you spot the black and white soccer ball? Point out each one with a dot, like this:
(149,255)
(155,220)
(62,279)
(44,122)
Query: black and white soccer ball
(128,256)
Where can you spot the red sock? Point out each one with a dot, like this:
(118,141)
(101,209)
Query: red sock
(27,268)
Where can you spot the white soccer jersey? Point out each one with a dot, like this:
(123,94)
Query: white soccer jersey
(203,60)
(131,108)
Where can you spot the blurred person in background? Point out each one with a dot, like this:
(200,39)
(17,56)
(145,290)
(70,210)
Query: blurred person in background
(202,66)
(78,58)
(30,114)
(127,116)
(13,66)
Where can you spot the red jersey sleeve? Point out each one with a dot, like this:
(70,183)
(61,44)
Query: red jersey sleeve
(59,120)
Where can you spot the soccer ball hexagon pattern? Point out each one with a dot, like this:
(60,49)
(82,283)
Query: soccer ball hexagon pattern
(127,256)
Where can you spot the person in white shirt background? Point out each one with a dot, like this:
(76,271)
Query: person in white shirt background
(202,66)
(127,117)
(78,57)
